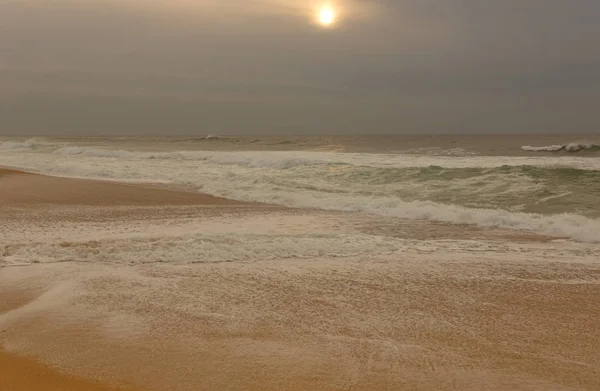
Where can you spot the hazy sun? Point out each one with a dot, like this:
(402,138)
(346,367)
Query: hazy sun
(327,16)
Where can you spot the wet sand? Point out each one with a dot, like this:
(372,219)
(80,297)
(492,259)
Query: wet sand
(22,374)
(20,188)
(492,318)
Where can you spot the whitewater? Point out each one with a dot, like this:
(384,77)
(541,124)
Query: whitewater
(556,196)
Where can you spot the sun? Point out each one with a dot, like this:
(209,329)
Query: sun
(327,16)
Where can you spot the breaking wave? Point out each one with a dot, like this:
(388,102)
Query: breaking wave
(25,144)
(292,159)
(222,158)
(571,147)
(216,137)
(527,193)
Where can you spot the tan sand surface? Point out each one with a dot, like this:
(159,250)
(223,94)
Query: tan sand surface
(398,325)
(22,374)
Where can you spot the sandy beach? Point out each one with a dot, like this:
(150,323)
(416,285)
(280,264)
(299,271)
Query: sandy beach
(26,190)
(106,302)
(30,190)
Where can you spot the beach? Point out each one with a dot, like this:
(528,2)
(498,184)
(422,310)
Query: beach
(25,190)
(332,195)
(110,284)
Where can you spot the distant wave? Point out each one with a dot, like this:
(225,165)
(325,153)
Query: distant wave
(292,159)
(213,137)
(25,144)
(87,151)
(460,152)
(222,158)
(571,147)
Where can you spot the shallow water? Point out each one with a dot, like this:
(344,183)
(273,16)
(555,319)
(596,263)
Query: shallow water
(455,179)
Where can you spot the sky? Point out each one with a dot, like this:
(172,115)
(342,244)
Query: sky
(193,67)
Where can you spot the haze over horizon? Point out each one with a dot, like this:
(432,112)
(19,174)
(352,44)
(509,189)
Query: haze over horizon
(184,67)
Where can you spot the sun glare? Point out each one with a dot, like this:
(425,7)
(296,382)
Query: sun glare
(327,16)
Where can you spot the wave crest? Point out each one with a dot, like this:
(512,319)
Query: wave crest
(221,158)
(570,147)
(25,144)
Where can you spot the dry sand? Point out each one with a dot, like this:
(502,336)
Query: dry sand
(415,321)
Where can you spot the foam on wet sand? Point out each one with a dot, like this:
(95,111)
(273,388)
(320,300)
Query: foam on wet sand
(162,290)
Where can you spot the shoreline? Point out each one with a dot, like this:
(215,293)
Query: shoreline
(23,188)
(33,190)
(151,288)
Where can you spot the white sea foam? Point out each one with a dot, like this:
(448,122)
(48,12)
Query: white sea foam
(22,144)
(548,148)
(290,159)
(571,147)
(242,240)
(86,151)
(188,249)
(565,225)
(437,151)
(249,159)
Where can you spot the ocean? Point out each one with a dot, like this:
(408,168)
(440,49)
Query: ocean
(547,184)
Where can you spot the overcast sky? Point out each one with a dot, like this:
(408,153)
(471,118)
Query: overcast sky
(85,67)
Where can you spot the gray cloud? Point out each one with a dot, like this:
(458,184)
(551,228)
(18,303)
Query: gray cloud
(262,66)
